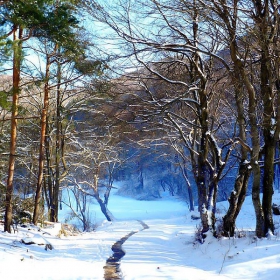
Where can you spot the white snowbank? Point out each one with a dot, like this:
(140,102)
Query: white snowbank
(166,250)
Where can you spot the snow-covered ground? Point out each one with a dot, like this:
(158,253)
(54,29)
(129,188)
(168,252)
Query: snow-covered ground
(166,250)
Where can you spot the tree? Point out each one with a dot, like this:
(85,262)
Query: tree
(240,78)
(65,48)
(99,158)
(266,20)
(179,70)
(256,46)
(26,19)
(17,37)
(17,16)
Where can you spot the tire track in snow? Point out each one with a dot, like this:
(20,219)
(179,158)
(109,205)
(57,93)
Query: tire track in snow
(112,268)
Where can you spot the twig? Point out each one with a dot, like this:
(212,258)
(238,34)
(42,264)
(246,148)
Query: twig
(224,259)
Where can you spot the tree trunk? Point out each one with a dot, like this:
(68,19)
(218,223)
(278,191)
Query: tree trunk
(254,129)
(140,186)
(202,165)
(42,145)
(236,199)
(265,21)
(238,194)
(17,36)
(202,186)
(54,208)
(269,144)
(189,188)
(256,200)
(48,182)
(103,207)
(211,204)
(102,204)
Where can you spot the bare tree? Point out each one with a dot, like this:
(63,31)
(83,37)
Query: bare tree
(250,50)
(178,69)
(97,158)
(267,19)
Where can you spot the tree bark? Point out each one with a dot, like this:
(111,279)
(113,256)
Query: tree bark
(242,77)
(103,207)
(48,182)
(201,177)
(17,36)
(38,195)
(54,208)
(266,21)
(238,194)
(236,199)
(269,145)
(189,188)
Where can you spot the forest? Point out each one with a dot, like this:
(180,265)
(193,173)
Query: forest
(179,95)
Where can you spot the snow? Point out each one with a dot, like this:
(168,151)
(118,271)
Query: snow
(165,250)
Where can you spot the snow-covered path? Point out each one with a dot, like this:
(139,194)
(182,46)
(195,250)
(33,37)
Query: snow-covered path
(112,268)
(167,250)
(163,252)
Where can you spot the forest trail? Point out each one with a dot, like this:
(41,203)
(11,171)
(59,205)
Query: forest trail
(112,268)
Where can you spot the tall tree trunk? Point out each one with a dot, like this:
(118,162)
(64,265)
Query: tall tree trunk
(48,182)
(277,128)
(54,208)
(202,165)
(269,143)
(266,20)
(38,195)
(230,18)
(17,36)
(255,152)
(238,194)
(202,182)
(254,129)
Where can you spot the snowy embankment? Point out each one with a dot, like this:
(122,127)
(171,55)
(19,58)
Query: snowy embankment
(165,250)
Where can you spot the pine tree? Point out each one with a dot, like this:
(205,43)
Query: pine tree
(53,20)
